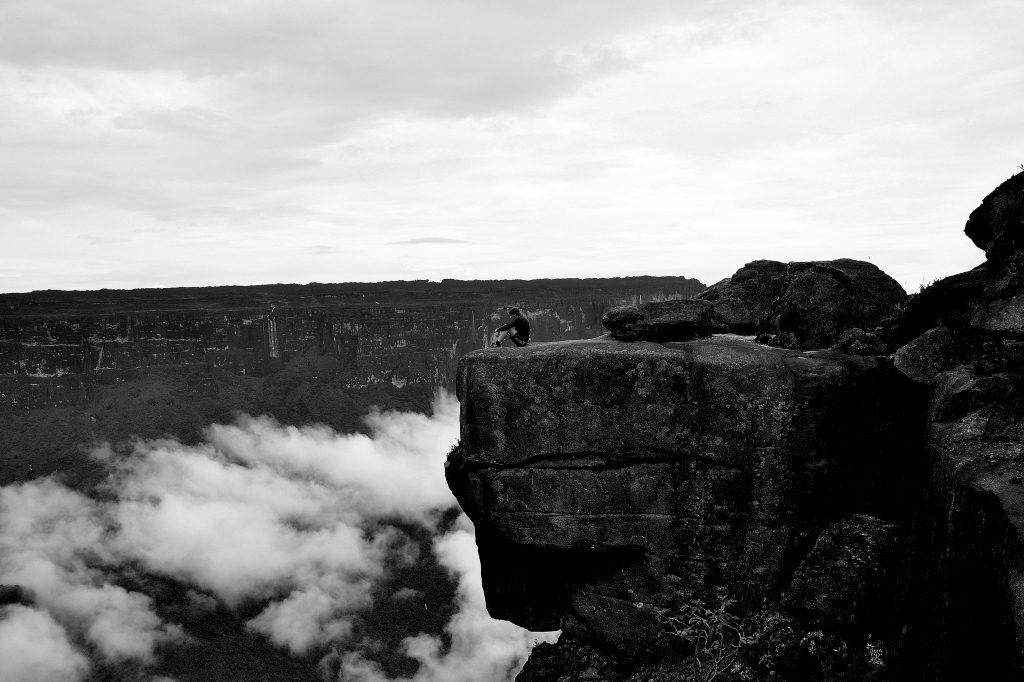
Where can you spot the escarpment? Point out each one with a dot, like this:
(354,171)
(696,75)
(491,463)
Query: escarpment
(841,498)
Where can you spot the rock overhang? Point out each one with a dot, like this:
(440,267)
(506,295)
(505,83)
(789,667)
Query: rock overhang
(668,470)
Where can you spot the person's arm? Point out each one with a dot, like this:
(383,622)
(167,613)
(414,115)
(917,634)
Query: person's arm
(506,327)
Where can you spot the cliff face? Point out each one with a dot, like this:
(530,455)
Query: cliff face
(966,346)
(82,366)
(774,514)
(612,484)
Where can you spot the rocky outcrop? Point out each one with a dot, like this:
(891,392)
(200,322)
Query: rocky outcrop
(965,344)
(771,514)
(612,483)
(803,305)
(854,576)
(997,226)
(677,320)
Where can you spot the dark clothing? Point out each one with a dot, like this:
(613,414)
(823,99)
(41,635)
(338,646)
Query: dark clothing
(522,327)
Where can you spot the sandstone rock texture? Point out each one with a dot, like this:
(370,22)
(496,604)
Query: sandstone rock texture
(802,305)
(611,482)
(676,320)
(852,576)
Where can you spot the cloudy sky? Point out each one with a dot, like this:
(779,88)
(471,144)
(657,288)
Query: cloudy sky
(154,143)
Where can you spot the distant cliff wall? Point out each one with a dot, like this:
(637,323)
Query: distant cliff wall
(82,366)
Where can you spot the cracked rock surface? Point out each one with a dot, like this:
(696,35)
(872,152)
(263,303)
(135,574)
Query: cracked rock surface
(610,482)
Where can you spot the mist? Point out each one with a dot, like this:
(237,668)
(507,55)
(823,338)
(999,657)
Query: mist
(301,529)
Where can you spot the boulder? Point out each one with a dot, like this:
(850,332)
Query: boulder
(856,341)
(676,320)
(930,354)
(853,575)
(997,225)
(949,302)
(609,482)
(1001,316)
(805,305)
(744,301)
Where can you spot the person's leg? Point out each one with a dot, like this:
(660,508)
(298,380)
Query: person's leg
(507,334)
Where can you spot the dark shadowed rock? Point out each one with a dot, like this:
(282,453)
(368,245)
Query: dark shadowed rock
(962,391)
(856,341)
(1002,316)
(997,225)
(969,543)
(805,304)
(929,354)
(744,301)
(965,340)
(609,482)
(948,302)
(678,320)
(852,576)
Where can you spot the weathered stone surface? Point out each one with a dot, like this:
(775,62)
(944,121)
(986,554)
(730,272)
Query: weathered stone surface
(1004,316)
(929,354)
(676,320)
(745,301)
(852,576)
(997,225)
(651,474)
(856,341)
(968,543)
(947,302)
(969,532)
(805,304)
(961,391)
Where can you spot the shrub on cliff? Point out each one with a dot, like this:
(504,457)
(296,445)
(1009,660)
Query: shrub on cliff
(769,645)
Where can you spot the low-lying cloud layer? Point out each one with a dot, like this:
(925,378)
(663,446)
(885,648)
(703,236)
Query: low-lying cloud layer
(300,522)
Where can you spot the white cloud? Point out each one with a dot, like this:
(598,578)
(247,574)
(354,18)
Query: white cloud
(298,521)
(56,543)
(482,649)
(285,514)
(35,648)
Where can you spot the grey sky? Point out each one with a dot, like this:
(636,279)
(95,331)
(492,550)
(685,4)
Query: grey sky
(149,143)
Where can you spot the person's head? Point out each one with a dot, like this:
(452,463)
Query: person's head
(514,312)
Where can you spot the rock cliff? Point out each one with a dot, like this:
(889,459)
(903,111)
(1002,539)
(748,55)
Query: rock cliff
(687,504)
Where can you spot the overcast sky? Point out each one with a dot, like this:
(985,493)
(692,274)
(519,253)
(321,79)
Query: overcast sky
(156,143)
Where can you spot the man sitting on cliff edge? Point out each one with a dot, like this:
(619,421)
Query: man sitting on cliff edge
(517,331)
